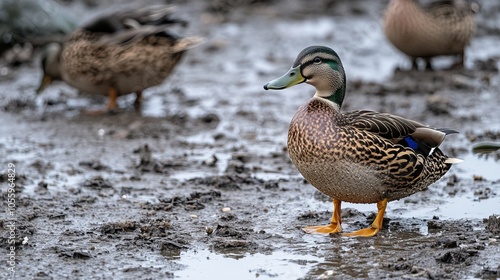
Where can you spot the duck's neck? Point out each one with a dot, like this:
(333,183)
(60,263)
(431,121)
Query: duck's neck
(337,97)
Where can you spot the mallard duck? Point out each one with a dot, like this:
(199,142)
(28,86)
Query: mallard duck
(359,156)
(117,55)
(443,28)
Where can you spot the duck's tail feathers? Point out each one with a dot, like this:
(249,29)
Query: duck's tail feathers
(453,161)
(188,43)
(447,131)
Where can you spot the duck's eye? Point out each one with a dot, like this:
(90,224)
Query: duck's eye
(317,60)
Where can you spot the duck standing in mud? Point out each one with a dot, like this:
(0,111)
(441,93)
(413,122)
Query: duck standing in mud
(359,156)
(441,29)
(119,54)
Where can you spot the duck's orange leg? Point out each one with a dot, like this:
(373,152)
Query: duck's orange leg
(112,105)
(112,96)
(376,225)
(334,226)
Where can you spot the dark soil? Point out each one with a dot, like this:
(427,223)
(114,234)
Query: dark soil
(202,173)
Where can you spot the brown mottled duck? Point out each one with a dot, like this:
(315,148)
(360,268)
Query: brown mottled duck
(443,28)
(359,156)
(119,54)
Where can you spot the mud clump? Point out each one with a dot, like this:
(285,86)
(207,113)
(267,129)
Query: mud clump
(154,233)
(72,253)
(232,237)
(193,201)
(150,164)
(94,165)
(457,256)
(446,243)
(493,224)
(97,183)
(113,228)
(230,182)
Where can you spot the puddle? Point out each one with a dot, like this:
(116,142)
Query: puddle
(477,165)
(153,106)
(188,175)
(203,264)
(461,207)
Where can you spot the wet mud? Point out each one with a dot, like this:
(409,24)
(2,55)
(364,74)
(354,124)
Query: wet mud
(199,183)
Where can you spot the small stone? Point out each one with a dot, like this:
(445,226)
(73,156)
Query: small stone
(326,275)
(209,230)
(211,161)
(478,178)
(226,209)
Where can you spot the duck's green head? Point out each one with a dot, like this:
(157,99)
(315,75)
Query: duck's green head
(319,66)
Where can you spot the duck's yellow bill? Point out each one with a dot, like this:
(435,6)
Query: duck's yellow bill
(291,78)
(46,80)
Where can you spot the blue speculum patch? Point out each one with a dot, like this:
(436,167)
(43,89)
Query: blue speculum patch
(411,143)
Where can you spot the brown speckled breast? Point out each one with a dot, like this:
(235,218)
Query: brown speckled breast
(354,165)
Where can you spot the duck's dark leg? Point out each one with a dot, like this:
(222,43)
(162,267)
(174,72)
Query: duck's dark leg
(376,225)
(461,58)
(428,64)
(112,96)
(334,226)
(138,100)
(414,64)
(459,64)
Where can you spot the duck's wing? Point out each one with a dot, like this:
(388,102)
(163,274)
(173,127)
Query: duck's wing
(398,130)
(384,125)
(131,26)
(150,15)
(414,147)
(159,15)
(450,9)
(130,36)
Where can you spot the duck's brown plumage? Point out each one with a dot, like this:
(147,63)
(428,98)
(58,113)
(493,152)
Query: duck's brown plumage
(92,66)
(354,156)
(119,54)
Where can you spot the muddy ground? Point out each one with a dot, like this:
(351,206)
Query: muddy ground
(199,185)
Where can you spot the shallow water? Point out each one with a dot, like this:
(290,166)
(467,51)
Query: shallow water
(480,165)
(204,264)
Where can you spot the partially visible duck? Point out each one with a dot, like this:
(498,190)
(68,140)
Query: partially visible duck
(443,28)
(119,54)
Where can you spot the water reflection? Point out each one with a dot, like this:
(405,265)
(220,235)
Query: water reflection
(206,264)
(371,254)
